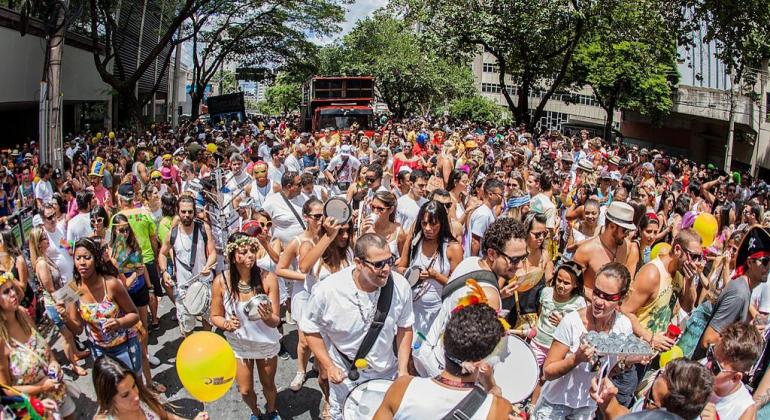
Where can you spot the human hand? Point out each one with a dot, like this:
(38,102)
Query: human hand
(709,412)
(56,367)
(331,227)
(205,271)
(232,324)
(61,310)
(486,376)
(336,375)
(167,280)
(584,353)
(661,342)
(111,325)
(50,385)
(50,405)
(555,318)
(265,311)
(367,226)
(509,289)
(602,390)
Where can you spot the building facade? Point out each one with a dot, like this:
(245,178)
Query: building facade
(565,111)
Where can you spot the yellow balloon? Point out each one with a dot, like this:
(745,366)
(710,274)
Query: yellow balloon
(99,135)
(205,363)
(111,135)
(211,148)
(706,226)
(659,249)
(674,352)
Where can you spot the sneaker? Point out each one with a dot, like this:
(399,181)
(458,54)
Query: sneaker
(296,383)
(284,355)
(154,361)
(290,319)
(273,415)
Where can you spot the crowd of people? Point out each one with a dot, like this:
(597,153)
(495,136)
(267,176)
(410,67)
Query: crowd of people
(414,254)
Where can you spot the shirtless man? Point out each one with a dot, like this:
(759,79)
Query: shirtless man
(609,246)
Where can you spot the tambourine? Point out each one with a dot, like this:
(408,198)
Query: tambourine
(339,209)
(252,306)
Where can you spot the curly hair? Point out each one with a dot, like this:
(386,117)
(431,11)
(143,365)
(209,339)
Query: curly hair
(501,231)
(102,266)
(471,334)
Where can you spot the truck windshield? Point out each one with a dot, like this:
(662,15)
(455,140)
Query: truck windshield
(342,120)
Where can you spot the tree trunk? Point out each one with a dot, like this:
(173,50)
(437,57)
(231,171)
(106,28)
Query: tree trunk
(133,106)
(196,99)
(730,130)
(52,150)
(610,110)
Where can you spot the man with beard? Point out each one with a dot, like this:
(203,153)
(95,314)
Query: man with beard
(504,250)
(609,246)
(188,261)
(339,314)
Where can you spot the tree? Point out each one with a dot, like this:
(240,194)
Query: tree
(739,29)
(630,60)
(475,108)
(532,41)
(255,33)
(109,24)
(409,76)
(283,97)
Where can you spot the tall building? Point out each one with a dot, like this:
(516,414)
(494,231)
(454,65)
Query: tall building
(565,111)
(697,126)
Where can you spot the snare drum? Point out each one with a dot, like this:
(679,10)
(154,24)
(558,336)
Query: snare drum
(197,298)
(517,372)
(339,209)
(365,399)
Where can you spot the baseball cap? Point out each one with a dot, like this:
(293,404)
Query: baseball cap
(345,150)
(126,190)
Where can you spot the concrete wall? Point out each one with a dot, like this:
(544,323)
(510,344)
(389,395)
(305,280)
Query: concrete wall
(21,69)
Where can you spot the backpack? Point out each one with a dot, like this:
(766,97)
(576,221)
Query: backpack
(197,228)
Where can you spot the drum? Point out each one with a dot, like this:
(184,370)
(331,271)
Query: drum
(252,306)
(339,209)
(197,298)
(517,371)
(365,399)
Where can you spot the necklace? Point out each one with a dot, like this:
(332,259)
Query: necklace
(244,288)
(367,318)
(453,383)
(606,248)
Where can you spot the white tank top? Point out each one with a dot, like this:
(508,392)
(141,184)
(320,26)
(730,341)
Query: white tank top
(299,287)
(182,252)
(442,400)
(440,263)
(253,331)
(320,271)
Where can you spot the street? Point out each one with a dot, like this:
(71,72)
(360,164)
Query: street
(305,404)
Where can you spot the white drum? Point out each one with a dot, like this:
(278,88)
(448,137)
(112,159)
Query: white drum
(197,298)
(252,306)
(365,399)
(339,209)
(517,372)
(412,275)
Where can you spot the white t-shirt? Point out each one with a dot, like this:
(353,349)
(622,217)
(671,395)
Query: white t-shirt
(760,297)
(480,220)
(275,173)
(318,192)
(79,227)
(44,191)
(285,224)
(260,194)
(346,173)
(335,311)
(58,252)
(407,209)
(429,357)
(732,406)
(238,182)
(293,164)
(572,388)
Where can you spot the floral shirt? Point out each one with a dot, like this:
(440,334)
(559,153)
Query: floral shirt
(28,364)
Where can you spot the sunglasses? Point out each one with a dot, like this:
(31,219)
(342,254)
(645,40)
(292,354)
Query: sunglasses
(266,225)
(315,217)
(124,231)
(379,265)
(155,178)
(512,260)
(713,365)
(607,296)
(539,235)
(447,205)
(50,217)
(97,220)
(370,180)
(694,256)
(764,261)
(379,209)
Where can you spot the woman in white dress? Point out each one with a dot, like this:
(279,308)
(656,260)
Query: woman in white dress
(252,334)
(382,221)
(434,251)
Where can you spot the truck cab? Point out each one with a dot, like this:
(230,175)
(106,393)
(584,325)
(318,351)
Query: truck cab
(337,103)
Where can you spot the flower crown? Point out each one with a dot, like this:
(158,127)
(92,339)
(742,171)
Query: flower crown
(476,296)
(5,277)
(239,242)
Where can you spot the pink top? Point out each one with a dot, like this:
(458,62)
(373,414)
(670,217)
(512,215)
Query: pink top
(72,210)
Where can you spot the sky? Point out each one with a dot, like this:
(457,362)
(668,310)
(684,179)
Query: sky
(355,12)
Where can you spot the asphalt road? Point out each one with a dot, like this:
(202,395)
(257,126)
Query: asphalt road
(304,404)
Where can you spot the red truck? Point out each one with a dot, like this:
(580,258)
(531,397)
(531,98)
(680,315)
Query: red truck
(337,102)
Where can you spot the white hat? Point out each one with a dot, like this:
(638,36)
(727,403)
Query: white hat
(37,220)
(404,169)
(621,214)
(585,165)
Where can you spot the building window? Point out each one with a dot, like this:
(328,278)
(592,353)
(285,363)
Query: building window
(490,68)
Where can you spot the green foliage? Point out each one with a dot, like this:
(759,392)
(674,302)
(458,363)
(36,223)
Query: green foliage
(281,98)
(410,77)
(475,108)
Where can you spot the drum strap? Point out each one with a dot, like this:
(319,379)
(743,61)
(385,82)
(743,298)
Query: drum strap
(293,210)
(381,314)
(468,406)
(481,276)
(193,248)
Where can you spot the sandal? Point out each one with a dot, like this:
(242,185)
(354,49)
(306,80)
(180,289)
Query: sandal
(158,388)
(78,370)
(81,355)
(155,325)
